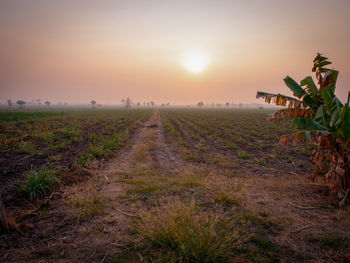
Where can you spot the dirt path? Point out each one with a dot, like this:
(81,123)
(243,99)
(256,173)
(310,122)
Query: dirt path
(109,233)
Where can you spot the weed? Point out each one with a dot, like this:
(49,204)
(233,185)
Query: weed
(231,146)
(192,156)
(71,134)
(96,138)
(40,183)
(243,155)
(260,161)
(305,153)
(202,146)
(27,147)
(277,154)
(47,137)
(216,161)
(335,241)
(97,152)
(258,220)
(227,200)
(112,144)
(141,153)
(183,143)
(191,181)
(88,204)
(237,138)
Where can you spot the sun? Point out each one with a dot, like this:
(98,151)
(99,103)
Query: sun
(196,61)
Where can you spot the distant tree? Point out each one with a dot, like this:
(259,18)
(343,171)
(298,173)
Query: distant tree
(227,104)
(20,103)
(9,103)
(93,103)
(200,104)
(152,103)
(138,104)
(168,104)
(147,104)
(65,104)
(127,102)
(47,103)
(38,101)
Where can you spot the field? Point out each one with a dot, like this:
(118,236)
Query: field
(162,185)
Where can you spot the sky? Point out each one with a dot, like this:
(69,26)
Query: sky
(76,51)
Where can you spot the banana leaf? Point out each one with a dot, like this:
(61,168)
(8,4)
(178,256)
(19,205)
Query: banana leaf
(295,87)
(319,58)
(311,87)
(322,116)
(278,98)
(289,114)
(345,117)
(310,102)
(310,125)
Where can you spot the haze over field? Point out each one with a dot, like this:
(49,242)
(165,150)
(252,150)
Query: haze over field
(166,51)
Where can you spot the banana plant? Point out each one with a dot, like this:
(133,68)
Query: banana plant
(323,119)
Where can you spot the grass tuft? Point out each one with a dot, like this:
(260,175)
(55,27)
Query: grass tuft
(180,232)
(335,242)
(243,155)
(40,183)
(227,200)
(141,153)
(88,204)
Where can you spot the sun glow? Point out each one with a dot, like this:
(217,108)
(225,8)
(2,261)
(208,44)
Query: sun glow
(196,61)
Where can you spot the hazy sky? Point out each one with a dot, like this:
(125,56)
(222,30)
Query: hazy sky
(79,50)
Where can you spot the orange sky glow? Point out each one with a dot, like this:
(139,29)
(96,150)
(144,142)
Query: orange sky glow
(76,51)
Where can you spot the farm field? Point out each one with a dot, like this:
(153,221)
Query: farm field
(163,185)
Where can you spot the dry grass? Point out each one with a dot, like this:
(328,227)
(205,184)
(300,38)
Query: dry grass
(227,199)
(179,231)
(150,134)
(86,203)
(141,153)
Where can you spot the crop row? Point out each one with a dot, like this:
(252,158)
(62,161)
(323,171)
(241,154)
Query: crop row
(60,140)
(232,133)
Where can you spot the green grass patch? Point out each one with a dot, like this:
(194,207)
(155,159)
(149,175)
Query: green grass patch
(37,184)
(243,155)
(260,161)
(6,116)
